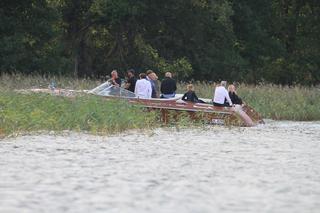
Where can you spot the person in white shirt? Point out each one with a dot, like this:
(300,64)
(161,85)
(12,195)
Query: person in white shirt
(143,87)
(220,95)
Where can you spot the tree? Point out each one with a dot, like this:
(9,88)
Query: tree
(28,37)
(238,40)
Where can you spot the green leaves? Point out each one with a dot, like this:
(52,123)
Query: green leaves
(27,37)
(197,39)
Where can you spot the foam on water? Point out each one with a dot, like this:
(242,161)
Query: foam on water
(269,168)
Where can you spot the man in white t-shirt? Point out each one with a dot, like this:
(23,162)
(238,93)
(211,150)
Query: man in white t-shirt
(143,87)
(221,94)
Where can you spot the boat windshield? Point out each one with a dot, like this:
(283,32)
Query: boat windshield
(107,89)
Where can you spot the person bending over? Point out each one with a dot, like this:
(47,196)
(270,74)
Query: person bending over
(220,94)
(143,87)
(233,95)
(168,86)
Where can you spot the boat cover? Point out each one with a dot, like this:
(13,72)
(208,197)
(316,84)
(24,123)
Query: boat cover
(107,89)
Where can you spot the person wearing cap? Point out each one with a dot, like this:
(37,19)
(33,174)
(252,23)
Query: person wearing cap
(143,87)
(220,95)
(131,82)
(168,86)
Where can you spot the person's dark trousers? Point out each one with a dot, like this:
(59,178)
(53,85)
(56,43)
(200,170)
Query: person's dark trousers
(221,105)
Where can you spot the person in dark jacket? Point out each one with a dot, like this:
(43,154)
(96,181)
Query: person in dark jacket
(156,84)
(191,95)
(131,82)
(168,86)
(233,95)
(153,78)
(115,80)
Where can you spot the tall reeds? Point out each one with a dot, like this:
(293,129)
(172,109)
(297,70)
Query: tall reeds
(276,102)
(33,112)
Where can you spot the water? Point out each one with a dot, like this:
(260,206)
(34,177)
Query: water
(269,168)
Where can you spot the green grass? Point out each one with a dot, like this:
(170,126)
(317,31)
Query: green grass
(18,81)
(284,103)
(33,112)
(273,101)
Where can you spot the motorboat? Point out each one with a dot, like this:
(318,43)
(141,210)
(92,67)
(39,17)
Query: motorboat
(172,109)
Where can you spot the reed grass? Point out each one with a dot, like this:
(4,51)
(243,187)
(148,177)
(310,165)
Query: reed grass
(276,102)
(18,81)
(33,112)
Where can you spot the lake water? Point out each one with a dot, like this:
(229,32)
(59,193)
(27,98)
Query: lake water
(269,168)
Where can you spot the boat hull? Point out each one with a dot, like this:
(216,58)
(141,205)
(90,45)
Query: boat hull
(172,110)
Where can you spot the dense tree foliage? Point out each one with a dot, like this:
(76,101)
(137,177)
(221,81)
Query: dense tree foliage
(239,40)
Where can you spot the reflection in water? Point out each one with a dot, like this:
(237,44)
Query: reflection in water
(269,168)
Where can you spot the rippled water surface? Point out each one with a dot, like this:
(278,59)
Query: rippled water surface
(269,168)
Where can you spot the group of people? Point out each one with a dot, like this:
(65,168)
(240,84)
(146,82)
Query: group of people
(222,96)
(147,87)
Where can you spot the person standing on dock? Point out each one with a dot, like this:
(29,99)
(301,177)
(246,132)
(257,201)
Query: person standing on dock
(220,95)
(143,87)
(168,86)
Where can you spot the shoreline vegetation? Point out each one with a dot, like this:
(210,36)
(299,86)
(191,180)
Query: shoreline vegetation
(276,102)
(36,112)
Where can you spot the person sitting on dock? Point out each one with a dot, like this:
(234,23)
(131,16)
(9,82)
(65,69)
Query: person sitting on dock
(220,94)
(131,82)
(143,87)
(168,86)
(115,80)
(233,95)
(191,96)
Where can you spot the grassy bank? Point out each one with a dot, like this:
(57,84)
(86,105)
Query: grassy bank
(21,113)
